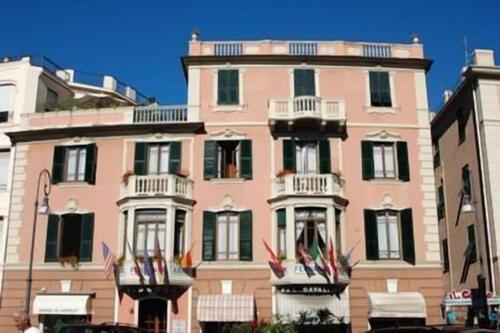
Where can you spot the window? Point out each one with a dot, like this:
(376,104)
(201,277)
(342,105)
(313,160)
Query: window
(466,185)
(437,155)
(462,124)
(389,235)
(179,233)
(50,100)
(157,158)
(303,81)
(440,205)
(228,159)
(281,237)
(150,224)
(227,235)
(446,257)
(228,87)
(74,163)
(380,90)
(4,168)
(338,229)
(6,101)
(471,248)
(310,227)
(385,160)
(69,235)
(227,230)
(304,157)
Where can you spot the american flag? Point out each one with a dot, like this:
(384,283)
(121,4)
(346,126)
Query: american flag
(109,260)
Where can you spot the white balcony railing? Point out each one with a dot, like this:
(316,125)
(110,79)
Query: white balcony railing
(377,50)
(158,114)
(150,185)
(306,107)
(307,184)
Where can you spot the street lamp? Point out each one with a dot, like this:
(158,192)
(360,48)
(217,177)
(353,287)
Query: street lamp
(42,210)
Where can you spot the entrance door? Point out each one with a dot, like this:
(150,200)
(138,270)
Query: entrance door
(153,315)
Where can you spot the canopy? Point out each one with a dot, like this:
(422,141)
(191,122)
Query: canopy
(396,305)
(62,304)
(290,306)
(226,308)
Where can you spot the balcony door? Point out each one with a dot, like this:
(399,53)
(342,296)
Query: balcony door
(153,315)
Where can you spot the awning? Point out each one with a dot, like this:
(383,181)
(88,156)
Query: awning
(396,305)
(62,304)
(290,306)
(226,308)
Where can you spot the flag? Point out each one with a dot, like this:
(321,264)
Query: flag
(349,253)
(316,254)
(159,258)
(331,258)
(275,264)
(137,268)
(187,259)
(109,260)
(315,250)
(149,268)
(306,260)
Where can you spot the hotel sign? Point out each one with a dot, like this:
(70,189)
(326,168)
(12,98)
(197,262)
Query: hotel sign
(308,289)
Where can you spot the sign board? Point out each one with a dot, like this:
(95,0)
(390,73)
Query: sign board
(178,326)
(308,289)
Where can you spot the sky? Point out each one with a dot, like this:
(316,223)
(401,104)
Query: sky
(141,42)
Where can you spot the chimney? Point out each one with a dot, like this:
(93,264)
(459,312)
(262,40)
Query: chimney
(483,58)
(446,95)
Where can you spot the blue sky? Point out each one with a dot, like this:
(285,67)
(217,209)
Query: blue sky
(141,42)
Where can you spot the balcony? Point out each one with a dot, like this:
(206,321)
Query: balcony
(178,281)
(294,185)
(160,114)
(306,111)
(157,186)
(295,275)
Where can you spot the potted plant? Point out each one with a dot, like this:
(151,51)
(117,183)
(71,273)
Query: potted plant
(126,176)
(72,260)
(284,172)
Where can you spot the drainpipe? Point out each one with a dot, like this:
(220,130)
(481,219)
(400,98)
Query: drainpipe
(484,202)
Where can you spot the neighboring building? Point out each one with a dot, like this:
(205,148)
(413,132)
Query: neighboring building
(466,142)
(35,84)
(293,143)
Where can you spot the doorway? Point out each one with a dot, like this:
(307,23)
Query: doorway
(153,315)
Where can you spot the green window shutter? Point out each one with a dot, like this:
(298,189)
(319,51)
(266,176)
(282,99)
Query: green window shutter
(208,236)
(210,160)
(51,241)
(324,156)
(407,236)
(289,155)
(367,160)
(446,259)
(303,80)
(86,237)
(385,89)
(403,165)
(375,98)
(466,189)
(371,234)
(246,159)
(441,206)
(471,233)
(140,158)
(281,217)
(58,164)
(228,87)
(246,235)
(91,163)
(174,164)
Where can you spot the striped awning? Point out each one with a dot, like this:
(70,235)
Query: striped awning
(226,308)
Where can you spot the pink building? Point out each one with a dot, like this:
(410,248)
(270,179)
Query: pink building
(297,144)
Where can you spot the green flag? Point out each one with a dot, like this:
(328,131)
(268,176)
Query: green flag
(315,250)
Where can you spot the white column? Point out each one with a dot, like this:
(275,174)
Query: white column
(330,224)
(290,233)
(169,233)
(130,231)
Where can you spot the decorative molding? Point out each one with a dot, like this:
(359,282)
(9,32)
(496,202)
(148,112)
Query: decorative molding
(77,140)
(383,135)
(228,134)
(227,203)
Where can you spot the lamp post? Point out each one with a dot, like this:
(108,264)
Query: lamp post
(43,210)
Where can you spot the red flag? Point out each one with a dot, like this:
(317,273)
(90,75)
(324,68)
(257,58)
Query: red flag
(187,259)
(275,265)
(137,268)
(331,257)
(274,258)
(157,253)
(306,257)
